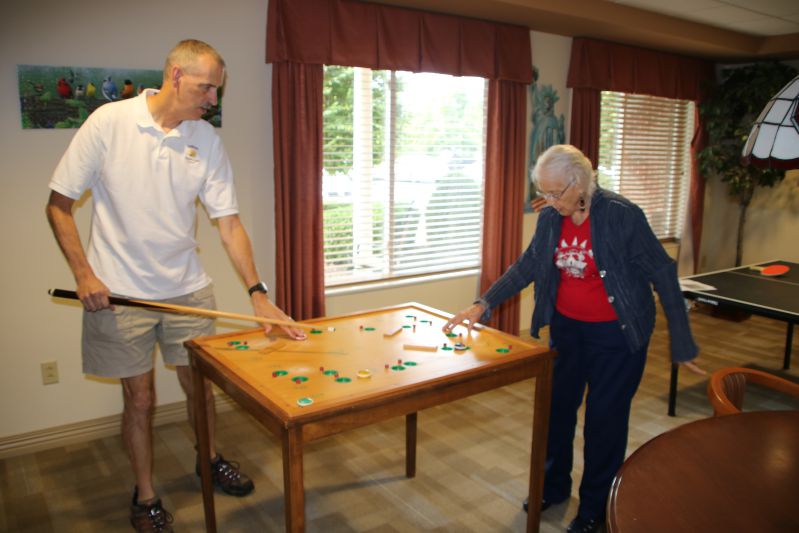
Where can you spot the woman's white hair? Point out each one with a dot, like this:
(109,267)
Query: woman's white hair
(568,163)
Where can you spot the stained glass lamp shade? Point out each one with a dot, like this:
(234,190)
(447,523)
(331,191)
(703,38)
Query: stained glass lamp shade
(774,139)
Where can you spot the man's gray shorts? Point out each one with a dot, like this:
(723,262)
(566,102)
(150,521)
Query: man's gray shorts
(120,343)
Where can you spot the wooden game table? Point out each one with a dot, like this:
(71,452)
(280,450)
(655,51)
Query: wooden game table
(356,370)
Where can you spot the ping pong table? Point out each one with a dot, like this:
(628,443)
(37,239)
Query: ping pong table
(747,289)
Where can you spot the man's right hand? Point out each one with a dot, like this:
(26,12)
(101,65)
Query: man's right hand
(93,294)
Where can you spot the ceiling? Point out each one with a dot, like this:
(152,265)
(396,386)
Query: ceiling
(754,17)
(724,30)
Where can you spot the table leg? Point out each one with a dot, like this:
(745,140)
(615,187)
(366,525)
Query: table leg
(538,451)
(786,363)
(292,480)
(203,447)
(675,369)
(410,445)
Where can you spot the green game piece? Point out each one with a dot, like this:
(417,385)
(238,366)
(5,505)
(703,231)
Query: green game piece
(330,372)
(242,347)
(280,373)
(302,402)
(299,379)
(316,331)
(234,343)
(343,380)
(447,348)
(503,350)
(451,335)
(397,367)
(409,363)
(406,327)
(369,329)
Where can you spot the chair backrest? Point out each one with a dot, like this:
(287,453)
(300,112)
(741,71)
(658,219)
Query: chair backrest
(727,387)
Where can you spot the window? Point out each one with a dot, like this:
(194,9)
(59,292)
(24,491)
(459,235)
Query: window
(403,159)
(645,155)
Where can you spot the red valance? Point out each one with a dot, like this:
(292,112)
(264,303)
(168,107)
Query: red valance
(608,66)
(362,34)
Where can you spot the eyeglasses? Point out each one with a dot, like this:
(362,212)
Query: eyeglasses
(555,196)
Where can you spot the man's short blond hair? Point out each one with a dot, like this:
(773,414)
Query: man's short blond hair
(186,53)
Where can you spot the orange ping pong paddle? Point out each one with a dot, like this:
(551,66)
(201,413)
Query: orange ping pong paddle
(771,270)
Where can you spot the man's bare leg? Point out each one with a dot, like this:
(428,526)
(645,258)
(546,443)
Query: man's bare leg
(137,430)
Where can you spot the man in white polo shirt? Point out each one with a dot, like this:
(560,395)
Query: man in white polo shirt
(146,161)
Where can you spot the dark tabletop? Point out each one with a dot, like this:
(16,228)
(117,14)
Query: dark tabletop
(728,473)
(776,297)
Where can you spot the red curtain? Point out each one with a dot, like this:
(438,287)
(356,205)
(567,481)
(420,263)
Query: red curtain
(617,67)
(297,130)
(584,129)
(602,66)
(696,196)
(352,33)
(376,36)
(504,192)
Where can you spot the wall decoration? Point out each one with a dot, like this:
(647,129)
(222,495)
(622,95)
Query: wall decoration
(62,97)
(547,129)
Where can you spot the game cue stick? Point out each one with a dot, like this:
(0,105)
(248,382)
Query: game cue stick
(159,306)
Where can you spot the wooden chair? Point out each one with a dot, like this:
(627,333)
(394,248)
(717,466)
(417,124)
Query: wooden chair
(727,386)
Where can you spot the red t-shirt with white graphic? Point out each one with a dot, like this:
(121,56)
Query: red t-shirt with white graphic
(581,294)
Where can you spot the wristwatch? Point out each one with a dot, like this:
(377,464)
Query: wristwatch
(258,287)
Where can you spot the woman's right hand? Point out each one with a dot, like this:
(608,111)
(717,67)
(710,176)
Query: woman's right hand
(469,315)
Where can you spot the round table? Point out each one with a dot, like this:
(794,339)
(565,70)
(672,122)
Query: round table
(729,473)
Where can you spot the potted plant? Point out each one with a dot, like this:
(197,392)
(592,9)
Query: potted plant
(728,115)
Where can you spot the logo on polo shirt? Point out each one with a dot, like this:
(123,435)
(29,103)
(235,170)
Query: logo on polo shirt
(192,153)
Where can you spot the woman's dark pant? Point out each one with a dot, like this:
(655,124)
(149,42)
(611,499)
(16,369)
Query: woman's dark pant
(593,355)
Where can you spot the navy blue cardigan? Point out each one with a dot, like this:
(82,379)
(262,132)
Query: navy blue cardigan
(630,260)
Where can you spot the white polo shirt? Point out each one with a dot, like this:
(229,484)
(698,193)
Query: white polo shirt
(144,186)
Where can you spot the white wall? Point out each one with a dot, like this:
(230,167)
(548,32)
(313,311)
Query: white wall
(770,232)
(125,34)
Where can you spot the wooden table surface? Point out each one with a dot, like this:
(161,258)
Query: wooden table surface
(359,369)
(735,473)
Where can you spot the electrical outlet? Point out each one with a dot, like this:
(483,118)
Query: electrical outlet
(49,372)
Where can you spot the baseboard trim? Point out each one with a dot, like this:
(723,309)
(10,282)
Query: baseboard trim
(45,439)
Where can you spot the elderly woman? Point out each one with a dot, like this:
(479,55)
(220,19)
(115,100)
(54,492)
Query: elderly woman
(594,260)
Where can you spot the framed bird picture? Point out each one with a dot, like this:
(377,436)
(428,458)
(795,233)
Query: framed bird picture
(62,97)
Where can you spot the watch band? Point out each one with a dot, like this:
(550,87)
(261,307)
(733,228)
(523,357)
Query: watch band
(258,287)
